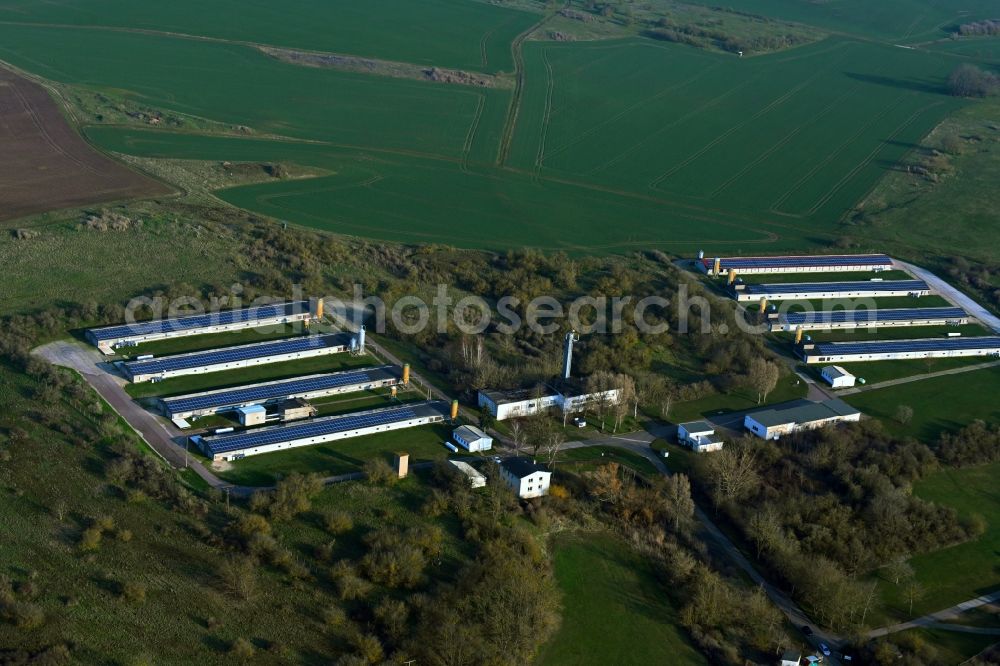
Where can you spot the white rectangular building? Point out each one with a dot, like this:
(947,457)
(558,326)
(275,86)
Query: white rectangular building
(525,477)
(472,439)
(475,477)
(108,338)
(785,419)
(567,397)
(837,377)
(699,436)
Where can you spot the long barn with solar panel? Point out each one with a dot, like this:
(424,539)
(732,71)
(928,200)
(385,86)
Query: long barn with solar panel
(237,445)
(266,393)
(838,263)
(108,338)
(801,291)
(241,356)
(864,318)
(886,350)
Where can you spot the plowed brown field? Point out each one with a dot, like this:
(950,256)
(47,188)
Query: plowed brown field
(45,165)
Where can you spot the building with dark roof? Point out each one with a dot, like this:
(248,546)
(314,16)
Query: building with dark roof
(827,263)
(108,338)
(240,444)
(802,291)
(268,393)
(867,318)
(525,477)
(786,418)
(888,350)
(240,356)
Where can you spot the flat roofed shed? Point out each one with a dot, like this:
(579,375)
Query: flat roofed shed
(177,324)
(235,354)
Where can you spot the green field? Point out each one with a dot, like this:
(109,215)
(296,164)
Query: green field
(617,144)
(882,371)
(965,571)
(614,611)
(939,403)
(897,20)
(447,33)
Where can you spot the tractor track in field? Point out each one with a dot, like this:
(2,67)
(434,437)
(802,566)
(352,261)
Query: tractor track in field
(774,208)
(868,160)
(766,109)
(514,108)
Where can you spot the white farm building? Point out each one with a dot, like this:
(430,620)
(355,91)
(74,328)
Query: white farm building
(568,396)
(837,377)
(475,477)
(472,439)
(784,419)
(699,436)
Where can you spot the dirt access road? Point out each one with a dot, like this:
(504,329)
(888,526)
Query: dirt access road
(48,166)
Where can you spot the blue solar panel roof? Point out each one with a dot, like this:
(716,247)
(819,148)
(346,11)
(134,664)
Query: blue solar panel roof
(824,287)
(322,426)
(873,315)
(239,353)
(178,324)
(818,261)
(891,346)
(274,390)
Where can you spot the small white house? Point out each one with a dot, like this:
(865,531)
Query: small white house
(472,439)
(837,377)
(791,658)
(475,477)
(700,436)
(525,477)
(252,415)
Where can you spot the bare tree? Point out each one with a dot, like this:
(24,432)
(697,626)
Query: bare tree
(517,434)
(913,592)
(625,386)
(762,376)
(734,474)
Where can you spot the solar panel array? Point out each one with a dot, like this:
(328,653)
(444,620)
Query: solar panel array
(825,287)
(314,428)
(233,354)
(198,321)
(272,390)
(873,315)
(819,261)
(901,346)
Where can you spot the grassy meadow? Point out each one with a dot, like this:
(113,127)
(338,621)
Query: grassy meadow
(613,611)
(941,403)
(962,572)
